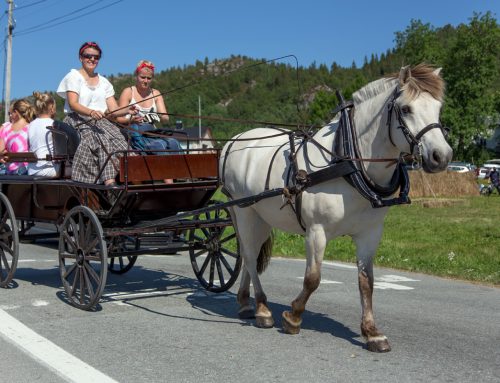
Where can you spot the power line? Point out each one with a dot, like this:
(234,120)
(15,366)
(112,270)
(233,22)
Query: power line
(67,21)
(30,5)
(44,24)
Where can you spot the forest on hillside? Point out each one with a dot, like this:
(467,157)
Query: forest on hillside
(281,91)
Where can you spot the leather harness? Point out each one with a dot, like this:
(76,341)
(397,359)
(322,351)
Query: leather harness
(346,162)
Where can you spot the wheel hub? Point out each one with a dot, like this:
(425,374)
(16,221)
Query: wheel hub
(80,257)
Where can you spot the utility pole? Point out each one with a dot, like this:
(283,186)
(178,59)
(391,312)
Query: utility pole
(8,65)
(199,121)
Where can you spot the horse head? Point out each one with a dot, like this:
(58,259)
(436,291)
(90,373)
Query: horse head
(413,117)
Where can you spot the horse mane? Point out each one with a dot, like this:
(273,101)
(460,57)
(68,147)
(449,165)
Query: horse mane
(421,78)
(373,89)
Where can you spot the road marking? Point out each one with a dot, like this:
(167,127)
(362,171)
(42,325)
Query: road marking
(49,354)
(390,286)
(39,303)
(326,281)
(396,278)
(328,263)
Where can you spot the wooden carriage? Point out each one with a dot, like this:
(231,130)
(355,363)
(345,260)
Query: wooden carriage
(105,228)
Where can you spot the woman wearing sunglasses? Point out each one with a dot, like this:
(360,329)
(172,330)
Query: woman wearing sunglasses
(89,102)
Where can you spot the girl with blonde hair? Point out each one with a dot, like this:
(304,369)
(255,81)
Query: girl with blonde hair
(40,138)
(14,135)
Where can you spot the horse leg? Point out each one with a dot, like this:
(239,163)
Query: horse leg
(252,233)
(366,247)
(246,310)
(315,249)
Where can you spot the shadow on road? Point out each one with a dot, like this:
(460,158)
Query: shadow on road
(142,284)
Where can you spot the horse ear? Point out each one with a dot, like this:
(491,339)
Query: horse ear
(404,74)
(437,71)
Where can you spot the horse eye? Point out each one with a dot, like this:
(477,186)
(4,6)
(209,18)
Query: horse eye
(405,109)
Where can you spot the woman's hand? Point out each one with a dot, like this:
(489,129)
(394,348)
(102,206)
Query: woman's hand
(96,115)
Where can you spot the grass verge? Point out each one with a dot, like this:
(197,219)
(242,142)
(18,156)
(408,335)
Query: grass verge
(457,238)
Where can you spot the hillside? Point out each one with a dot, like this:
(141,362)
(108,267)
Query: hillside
(281,91)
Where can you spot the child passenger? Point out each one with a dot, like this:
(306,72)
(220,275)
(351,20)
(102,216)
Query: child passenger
(14,135)
(40,139)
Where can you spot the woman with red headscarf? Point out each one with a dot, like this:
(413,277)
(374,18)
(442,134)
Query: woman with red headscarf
(151,108)
(89,107)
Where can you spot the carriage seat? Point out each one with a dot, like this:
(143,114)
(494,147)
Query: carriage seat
(66,140)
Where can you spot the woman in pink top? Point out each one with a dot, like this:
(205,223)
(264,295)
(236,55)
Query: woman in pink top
(14,135)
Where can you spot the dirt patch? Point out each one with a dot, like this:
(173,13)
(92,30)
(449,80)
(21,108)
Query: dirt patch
(439,202)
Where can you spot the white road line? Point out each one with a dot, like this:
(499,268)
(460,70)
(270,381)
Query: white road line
(43,350)
(326,281)
(390,286)
(396,278)
(328,263)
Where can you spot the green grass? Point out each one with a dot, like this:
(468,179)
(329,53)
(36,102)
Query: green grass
(459,239)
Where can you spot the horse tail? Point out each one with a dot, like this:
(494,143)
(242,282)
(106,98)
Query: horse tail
(266,250)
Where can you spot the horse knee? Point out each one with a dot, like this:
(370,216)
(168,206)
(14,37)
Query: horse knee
(311,281)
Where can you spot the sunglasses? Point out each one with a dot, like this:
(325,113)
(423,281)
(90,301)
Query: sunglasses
(89,56)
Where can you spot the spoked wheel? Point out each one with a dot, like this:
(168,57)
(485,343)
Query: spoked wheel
(82,257)
(214,252)
(120,264)
(9,242)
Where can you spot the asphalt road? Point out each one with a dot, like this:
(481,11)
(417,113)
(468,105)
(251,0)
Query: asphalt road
(155,324)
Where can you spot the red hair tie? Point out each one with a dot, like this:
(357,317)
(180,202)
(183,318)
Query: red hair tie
(145,65)
(90,44)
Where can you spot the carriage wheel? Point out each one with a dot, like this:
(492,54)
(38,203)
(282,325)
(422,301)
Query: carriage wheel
(214,252)
(82,257)
(9,242)
(120,264)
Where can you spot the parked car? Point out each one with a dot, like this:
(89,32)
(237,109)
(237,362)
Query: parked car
(458,168)
(484,170)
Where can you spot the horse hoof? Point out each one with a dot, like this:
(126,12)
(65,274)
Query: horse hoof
(264,322)
(379,344)
(246,314)
(289,326)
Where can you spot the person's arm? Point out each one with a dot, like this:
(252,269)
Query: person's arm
(123,102)
(114,111)
(160,106)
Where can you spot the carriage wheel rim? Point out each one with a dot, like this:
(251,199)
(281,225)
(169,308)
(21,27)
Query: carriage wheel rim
(215,265)
(9,242)
(82,258)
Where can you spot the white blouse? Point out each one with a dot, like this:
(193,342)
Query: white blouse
(93,97)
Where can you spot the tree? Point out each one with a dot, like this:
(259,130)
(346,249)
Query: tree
(471,68)
(419,43)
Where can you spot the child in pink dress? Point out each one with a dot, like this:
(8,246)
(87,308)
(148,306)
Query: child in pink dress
(14,135)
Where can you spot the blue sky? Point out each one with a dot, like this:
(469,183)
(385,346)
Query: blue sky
(175,33)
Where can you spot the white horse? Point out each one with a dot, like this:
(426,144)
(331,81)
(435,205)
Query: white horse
(391,116)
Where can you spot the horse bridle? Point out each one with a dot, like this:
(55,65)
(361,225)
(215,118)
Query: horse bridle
(413,140)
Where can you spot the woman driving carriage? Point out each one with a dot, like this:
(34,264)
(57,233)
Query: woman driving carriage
(88,107)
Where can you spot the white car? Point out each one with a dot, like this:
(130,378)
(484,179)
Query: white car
(485,169)
(458,168)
